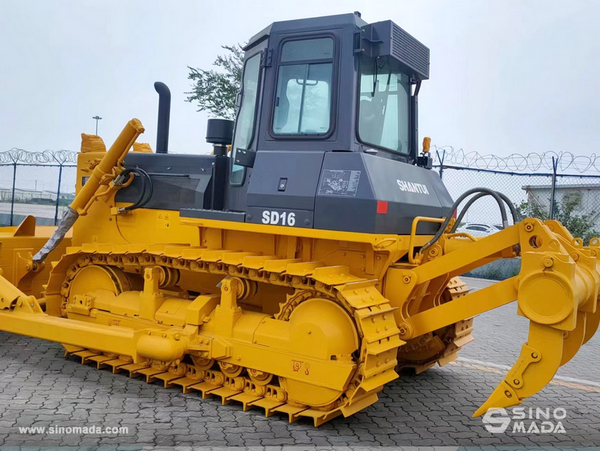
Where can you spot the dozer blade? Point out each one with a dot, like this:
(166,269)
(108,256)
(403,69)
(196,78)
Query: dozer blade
(540,358)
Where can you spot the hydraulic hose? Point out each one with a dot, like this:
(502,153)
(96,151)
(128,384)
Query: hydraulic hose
(455,206)
(513,210)
(472,200)
(146,191)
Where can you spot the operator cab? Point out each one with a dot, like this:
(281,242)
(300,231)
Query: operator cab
(325,135)
(329,84)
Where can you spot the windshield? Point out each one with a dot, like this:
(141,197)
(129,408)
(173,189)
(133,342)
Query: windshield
(303,103)
(244,129)
(383,112)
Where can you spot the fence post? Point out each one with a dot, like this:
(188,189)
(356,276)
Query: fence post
(442,158)
(60,168)
(12,199)
(553,190)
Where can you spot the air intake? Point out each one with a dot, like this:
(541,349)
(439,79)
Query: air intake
(388,39)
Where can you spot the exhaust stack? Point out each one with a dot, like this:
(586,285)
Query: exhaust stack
(164,114)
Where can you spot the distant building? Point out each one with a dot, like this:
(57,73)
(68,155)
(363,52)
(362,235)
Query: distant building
(587,197)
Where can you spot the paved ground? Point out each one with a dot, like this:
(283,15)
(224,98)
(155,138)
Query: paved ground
(41,211)
(40,388)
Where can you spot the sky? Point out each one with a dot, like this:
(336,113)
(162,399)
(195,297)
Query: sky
(506,76)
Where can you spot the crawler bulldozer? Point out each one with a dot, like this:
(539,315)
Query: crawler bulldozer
(305,261)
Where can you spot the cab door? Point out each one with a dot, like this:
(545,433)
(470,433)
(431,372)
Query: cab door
(245,136)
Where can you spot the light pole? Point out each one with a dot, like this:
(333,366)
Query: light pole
(97,118)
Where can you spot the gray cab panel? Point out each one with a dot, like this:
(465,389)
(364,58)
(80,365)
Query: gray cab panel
(179,181)
(284,182)
(364,193)
(285,179)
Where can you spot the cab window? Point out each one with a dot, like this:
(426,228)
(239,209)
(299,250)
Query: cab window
(244,127)
(383,112)
(304,87)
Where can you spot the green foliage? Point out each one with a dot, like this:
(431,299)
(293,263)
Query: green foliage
(215,91)
(580,225)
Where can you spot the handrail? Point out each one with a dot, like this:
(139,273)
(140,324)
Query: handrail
(413,233)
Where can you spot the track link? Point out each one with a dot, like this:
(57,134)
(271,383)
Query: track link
(441,347)
(372,313)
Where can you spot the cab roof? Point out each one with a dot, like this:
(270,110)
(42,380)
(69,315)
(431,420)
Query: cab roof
(312,23)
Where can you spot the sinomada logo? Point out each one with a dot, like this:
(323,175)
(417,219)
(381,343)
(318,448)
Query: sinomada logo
(412,187)
(525,420)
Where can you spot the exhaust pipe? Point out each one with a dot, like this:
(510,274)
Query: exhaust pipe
(164,114)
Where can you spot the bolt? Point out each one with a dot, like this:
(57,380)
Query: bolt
(406,279)
(548,262)
(508,394)
(575,256)
(529,227)
(516,382)
(534,355)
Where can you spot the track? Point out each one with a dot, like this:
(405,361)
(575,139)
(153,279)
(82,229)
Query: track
(440,346)
(372,314)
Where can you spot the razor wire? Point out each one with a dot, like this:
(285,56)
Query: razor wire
(516,162)
(44,204)
(43,158)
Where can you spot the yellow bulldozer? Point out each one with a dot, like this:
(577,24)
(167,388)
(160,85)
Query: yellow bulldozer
(308,258)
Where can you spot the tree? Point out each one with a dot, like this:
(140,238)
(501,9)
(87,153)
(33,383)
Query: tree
(580,225)
(216,90)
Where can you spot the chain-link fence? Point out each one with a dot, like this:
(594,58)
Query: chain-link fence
(575,196)
(41,184)
(558,186)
